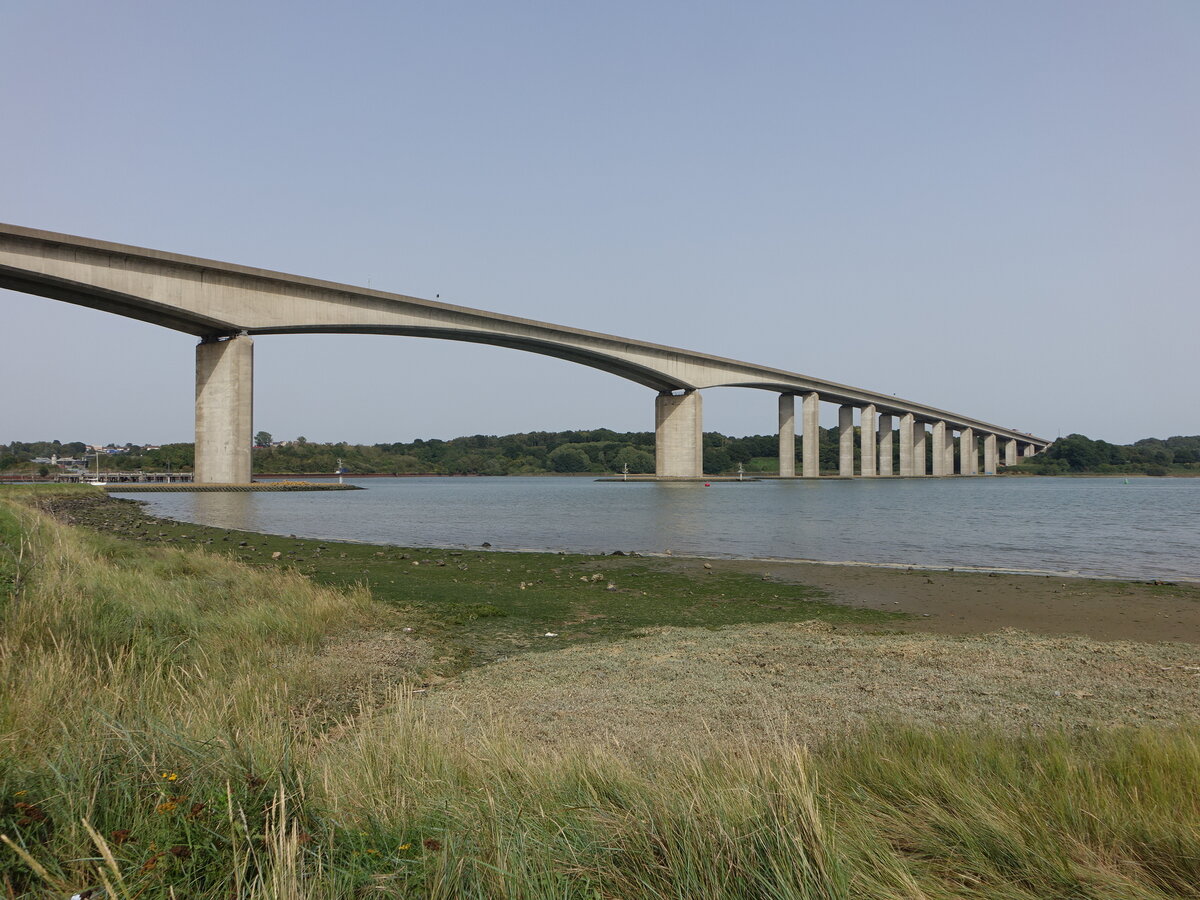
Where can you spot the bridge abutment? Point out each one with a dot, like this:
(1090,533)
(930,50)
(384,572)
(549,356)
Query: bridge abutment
(678,435)
(224,410)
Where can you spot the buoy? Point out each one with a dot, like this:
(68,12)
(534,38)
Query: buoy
(706,484)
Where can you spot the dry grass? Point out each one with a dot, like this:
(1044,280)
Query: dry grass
(810,681)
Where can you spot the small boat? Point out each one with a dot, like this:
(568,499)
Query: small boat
(99,482)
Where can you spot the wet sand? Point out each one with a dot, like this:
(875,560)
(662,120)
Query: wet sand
(975,602)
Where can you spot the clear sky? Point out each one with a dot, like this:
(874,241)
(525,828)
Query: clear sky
(992,208)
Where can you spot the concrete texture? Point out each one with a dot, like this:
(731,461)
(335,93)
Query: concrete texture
(885,445)
(811,452)
(906,445)
(846,441)
(948,469)
(869,449)
(1010,452)
(787,435)
(989,454)
(939,450)
(224,410)
(968,453)
(920,453)
(678,438)
(211,299)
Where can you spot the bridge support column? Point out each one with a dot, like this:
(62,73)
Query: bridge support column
(787,435)
(1010,452)
(1030,450)
(869,449)
(885,445)
(811,438)
(989,454)
(846,441)
(948,469)
(968,453)
(224,410)
(939,449)
(906,445)
(920,451)
(678,436)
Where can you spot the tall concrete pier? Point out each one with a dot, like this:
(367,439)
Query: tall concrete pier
(787,435)
(846,441)
(868,447)
(224,409)
(885,445)
(678,435)
(811,452)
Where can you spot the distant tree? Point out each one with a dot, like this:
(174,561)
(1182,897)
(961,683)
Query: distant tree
(639,461)
(262,439)
(569,459)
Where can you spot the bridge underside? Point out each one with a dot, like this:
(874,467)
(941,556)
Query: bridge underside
(224,304)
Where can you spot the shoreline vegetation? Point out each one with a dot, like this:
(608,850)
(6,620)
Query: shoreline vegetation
(206,713)
(598,452)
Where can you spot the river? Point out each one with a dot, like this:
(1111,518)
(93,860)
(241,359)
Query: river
(1148,528)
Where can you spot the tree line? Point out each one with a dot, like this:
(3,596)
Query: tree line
(598,450)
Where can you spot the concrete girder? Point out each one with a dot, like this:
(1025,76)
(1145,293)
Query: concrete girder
(211,299)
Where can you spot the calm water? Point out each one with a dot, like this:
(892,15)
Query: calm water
(1148,528)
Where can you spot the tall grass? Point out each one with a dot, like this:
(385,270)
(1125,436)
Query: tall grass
(154,742)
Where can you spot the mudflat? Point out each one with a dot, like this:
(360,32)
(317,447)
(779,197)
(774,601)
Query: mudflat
(944,602)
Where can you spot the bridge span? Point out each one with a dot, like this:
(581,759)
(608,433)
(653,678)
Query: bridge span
(224,305)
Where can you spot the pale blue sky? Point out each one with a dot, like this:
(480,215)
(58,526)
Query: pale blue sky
(991,208)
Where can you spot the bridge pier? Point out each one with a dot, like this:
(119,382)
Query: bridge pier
(920,452)
(968,453)
(224,409)
(811,448)
(939,450)
(948,468)
(846,441)
(907,447)
(869,449)
(1010,452)
(678,435)
(787,435)
(885,445)
(989,454)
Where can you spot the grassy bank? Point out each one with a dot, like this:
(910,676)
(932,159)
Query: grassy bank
(174,722)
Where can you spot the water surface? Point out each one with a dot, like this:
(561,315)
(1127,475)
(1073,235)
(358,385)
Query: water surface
(1147,528)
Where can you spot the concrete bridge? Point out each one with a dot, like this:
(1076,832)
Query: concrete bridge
(225,304)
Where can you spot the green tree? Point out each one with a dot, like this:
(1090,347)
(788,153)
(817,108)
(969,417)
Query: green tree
(569,459)
(262,439)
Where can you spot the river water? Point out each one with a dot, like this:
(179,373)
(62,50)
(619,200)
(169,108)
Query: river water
(1146,528)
